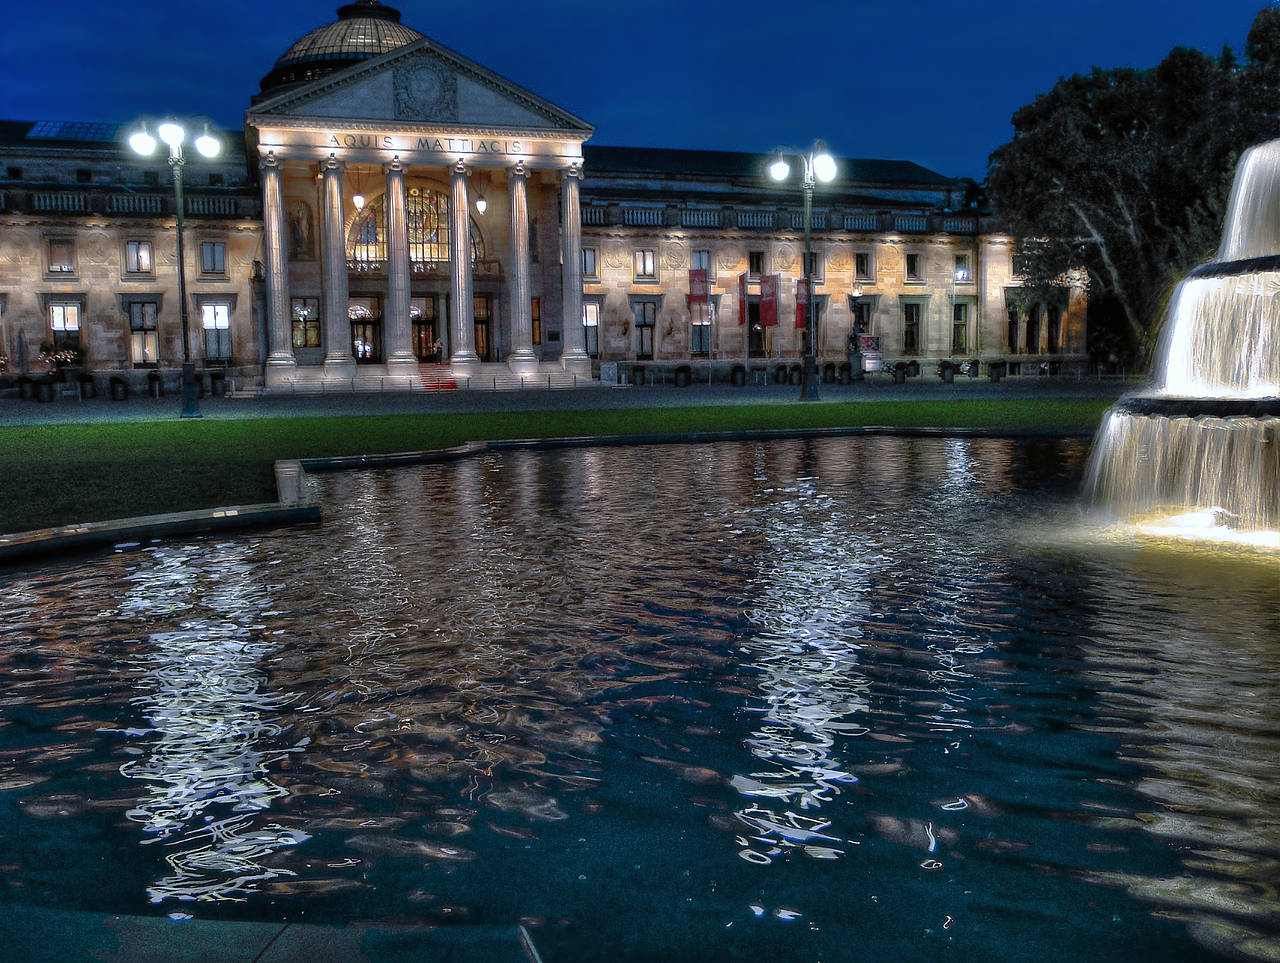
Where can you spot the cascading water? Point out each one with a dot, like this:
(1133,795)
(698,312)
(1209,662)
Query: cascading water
(1196,454)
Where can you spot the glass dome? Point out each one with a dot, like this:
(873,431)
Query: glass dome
(364,29)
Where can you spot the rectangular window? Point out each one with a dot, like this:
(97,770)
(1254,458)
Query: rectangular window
(813,264)
(589,267)
(591,327)
(213,257)
(84,175)
(646,267)
(305,316)
(755,264)
(862,266)
(862,317)
(215,180)
(700,340)
(913,267)
(535,318)
(701,261)
(137,257)
(62,256)
(962,268)
(646,315)
(911,328)
(14,173)
(143,340)
(959,327)
(215,318)
(64,322)
(151,178)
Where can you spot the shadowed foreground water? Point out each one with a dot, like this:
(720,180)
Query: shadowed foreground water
(811,700)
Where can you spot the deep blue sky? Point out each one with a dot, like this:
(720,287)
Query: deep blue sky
(927,81)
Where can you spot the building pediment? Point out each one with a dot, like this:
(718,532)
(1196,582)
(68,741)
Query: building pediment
(421,83)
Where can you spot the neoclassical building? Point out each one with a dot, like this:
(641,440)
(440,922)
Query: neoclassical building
(396,215)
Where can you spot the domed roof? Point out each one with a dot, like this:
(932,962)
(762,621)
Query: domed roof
(364,29)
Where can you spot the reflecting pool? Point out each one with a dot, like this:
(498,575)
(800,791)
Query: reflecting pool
(826,700)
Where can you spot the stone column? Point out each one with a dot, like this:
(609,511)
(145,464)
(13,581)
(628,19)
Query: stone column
(574,357)
(462,326)
(522,359)
(281,364)
(338,361)
(396,329)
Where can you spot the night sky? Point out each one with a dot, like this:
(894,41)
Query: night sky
(928,81)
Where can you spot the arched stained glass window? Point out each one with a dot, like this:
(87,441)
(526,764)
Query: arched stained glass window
(427,217)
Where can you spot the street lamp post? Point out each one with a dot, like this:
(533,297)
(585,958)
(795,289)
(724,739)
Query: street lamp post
(818,165)
(143,143)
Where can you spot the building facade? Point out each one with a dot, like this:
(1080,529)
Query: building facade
(396,215)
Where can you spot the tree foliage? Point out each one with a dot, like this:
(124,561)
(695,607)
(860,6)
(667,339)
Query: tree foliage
(1125,174)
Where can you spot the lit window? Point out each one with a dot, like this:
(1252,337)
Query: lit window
(215,318)
(305,314)
(137,257)
(213,257)
(589,269)
(535,319)
(913,267)
(591,327)
(64,322)
(962,268)
(646,264)
(911,328)
(62,256)
(144,342)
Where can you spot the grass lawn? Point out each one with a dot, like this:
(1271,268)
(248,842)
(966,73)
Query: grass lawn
(58,474)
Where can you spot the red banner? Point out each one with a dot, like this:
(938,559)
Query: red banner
(802,302)
(769,300)
(742,299)
(698,286)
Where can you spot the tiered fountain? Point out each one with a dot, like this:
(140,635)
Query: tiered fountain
(1196,454)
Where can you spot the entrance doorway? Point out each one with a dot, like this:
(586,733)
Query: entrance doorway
(427,345)
(366,329)
(755,331)
(483,319)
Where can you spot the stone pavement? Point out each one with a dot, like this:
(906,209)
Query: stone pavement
(876,388)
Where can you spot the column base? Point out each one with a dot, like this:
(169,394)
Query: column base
(279,370)
(577,362)
(523,361)
(344,368)
(402,364)
(465,364)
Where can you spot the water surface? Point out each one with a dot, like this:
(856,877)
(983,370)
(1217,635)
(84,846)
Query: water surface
(810,700)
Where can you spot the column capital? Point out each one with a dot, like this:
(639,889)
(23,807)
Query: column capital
(460,167)
(331,163)
(574,170)
(393,165)
(268,161)
(518,170)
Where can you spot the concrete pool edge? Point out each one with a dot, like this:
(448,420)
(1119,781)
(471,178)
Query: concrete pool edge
(295,505)
(43,934)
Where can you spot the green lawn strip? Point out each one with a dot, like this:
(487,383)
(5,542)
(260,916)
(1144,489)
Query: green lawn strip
(59,474)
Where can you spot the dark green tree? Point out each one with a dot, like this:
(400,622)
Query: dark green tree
(1124,174)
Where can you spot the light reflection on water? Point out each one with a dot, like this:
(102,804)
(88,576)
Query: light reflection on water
(763,698)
